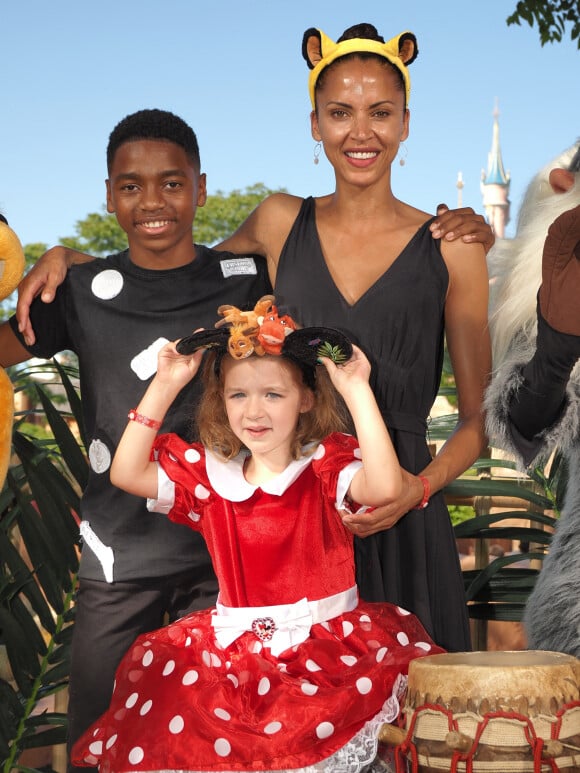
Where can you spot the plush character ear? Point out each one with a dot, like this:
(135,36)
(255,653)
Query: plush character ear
(406,47)
(204,339)
(308,344)
(312,47)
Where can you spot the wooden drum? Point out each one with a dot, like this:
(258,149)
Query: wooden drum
(490,711)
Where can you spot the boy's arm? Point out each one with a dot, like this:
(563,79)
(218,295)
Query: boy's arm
(43,278)
(464,224)
(11,350)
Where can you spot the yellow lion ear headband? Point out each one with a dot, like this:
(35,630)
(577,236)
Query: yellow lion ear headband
(320,51)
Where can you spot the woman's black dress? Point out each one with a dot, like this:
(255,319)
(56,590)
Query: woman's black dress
(399,323)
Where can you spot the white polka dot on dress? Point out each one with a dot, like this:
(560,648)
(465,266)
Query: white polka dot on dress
(169,668)
(147,658)
(423,645)
(347,628)
(132,700)
(364,685)
(324,730)
(222,714)
(402,611)
(136,755)
(380,656)
(192,455)
(233,679)
(264,686)
(96,747)
(201,492)
(308,688)
(111,741)
(402,638)
(348,660)
(222,747)
(272,728)
(176,725)
(312,666)
(146,708)
(193,516)
(190,677)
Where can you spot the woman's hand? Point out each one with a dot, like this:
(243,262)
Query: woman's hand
(365,524)
(43,278)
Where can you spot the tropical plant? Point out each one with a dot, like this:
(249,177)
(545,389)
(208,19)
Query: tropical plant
(500,589)
(38,569)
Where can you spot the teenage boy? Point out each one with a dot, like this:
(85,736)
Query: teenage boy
(136,569)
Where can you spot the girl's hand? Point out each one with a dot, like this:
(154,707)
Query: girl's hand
(177,369)
(350,374)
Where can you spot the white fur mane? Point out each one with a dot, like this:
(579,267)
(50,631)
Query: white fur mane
(515,265)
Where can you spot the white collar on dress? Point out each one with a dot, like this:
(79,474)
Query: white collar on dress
(227,478)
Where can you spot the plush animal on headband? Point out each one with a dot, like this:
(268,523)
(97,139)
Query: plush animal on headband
(270,334)
(11,270)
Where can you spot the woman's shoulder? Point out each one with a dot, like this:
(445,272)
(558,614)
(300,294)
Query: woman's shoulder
(281,204)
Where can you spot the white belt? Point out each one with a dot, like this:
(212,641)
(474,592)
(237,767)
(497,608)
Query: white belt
(282,626)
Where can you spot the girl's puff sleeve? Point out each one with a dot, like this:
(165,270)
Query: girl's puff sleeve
(336,461)
(184,490)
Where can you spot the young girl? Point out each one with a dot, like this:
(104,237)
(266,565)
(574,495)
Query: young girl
(290,671)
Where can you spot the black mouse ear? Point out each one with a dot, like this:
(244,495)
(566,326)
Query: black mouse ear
(312,47)
(204,339)
(309,344)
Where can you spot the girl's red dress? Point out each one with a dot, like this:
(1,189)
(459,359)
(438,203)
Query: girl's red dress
(183,702)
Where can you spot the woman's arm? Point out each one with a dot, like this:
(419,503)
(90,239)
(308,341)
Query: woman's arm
(265,230)
(43,278)
(132,469)
(379,481)
(468,342)
(469,347)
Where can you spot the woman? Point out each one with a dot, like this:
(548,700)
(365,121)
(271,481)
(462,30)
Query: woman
(361,260)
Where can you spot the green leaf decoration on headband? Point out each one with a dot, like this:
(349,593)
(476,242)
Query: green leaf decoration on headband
(333,353)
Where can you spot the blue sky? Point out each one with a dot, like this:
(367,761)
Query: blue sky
(71,69)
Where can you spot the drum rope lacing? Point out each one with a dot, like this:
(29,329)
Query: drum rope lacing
(545,752)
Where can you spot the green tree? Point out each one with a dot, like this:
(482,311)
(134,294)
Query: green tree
(224,212)
(551,16)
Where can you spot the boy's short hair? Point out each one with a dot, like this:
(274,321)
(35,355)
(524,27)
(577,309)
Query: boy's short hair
(153,125)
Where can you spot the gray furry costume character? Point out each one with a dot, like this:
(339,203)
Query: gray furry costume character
(533,402)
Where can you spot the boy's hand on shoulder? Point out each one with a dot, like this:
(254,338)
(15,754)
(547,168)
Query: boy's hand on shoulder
(464,224)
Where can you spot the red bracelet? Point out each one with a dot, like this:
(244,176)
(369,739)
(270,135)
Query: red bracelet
(426,493)
(133,415)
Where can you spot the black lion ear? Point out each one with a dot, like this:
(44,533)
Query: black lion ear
(311,47)
(408,50)
(308,344)
(204,339)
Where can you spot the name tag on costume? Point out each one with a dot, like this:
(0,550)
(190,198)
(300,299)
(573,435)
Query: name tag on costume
(238,266)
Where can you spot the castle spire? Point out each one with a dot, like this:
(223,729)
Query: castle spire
(495,184)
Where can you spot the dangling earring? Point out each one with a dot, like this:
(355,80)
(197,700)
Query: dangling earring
(403,151)
(317,149)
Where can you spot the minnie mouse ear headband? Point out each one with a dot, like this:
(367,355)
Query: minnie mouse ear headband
(263,331)
(320,51)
